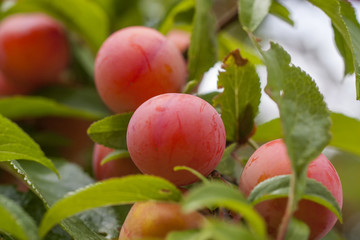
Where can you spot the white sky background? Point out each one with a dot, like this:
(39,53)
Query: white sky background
(311,46)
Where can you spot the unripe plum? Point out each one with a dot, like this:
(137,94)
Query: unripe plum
(271,160)
(33,49)
(176,129)
(148,220)
(135,64)
(115,168)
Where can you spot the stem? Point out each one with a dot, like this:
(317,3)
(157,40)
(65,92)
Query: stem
(253,144)
(289,209)
(228,18)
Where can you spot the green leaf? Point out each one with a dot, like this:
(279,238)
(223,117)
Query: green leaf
(240,99)
(16,144)
(252,13)
(34,207)
(19,107)
(228,43)
(111,131)
(221,230)
(168,22)
(184,235)
(226,165)
(281,12)
(85,17)
(217,194)
(202,53)
(342,131)
(15,221)
(115,155)
(304,116)
(193,171)
(50,189)
(278,187)
(347,33)
(297,230)
(109,192)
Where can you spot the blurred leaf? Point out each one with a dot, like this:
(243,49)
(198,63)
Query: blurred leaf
(342,130)
(184,235)
(111,131)
(168,22)
(214,230)
(15,221)
(281,12)
(19,107)
(304,116)
(114,191)
(252,13)
(82,16)
(347,34)
(202,54)
(226,165)
(208,96)
(241,97)
(50,189)
(297,230)
(217,194)
(84,99)
(228,43)
(115,155)
(278,187)
(16,144)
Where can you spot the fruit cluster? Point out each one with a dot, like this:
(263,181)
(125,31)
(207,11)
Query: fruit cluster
(137,69)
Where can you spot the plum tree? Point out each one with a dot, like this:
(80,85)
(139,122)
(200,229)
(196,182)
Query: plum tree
(33,49)
(149,220)
(271,160)
(115,168)
(135,64)
(176,129)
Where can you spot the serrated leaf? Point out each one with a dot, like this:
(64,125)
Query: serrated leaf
(252,13)
(15,221)
(217,194)
(202,53)
(304,115)
(19,107)
(240,99)
(111,131)
(343,18)
(168,22)
(297,230)
(109,192)
(16,144)
(342,131)
(84,17)
(50,189)
(278,187)
(281,12)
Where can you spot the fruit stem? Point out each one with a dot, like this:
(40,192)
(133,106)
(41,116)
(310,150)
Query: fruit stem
(289,211)
(253,144)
